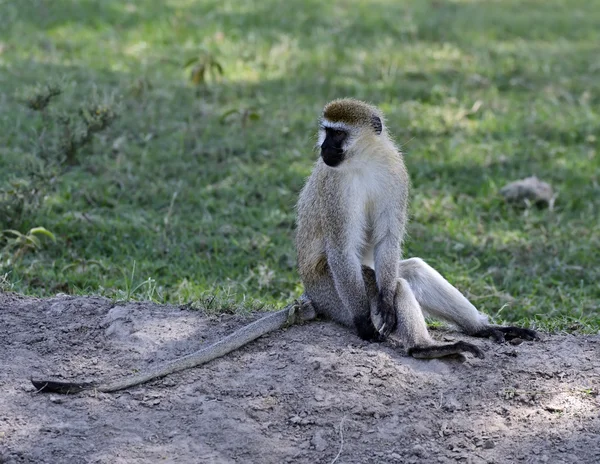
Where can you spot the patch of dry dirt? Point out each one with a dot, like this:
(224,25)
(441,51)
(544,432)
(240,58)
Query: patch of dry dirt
(303,395)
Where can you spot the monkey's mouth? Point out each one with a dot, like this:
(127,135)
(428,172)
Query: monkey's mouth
(332,156)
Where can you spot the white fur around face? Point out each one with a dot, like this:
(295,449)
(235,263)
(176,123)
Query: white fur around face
(320,138)
(326,124)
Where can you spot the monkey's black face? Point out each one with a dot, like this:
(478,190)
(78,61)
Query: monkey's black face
(332,150)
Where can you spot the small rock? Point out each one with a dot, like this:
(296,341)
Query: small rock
(419,451)
(489,444)
(516,341)
(318,441)
(513,353)
(554,408)
(529,190)
(376,382)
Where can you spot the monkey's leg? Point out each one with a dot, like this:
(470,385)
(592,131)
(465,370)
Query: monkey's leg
(412,329)
(440,299)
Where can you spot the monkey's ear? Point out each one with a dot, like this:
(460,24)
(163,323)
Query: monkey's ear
(377,125)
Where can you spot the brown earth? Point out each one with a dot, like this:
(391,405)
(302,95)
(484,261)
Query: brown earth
(310,394)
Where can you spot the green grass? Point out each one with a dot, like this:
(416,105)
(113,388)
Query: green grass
(180,202)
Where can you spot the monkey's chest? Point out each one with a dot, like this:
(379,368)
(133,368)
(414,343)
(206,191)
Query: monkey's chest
(377,225)
(372,218)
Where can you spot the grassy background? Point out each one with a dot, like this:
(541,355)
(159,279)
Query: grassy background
(189,196)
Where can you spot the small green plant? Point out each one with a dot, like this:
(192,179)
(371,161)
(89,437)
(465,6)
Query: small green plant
(5,284)
(76,127)
(243,115)
(22,196)
(39,97)
(203,67)
(58,146)
(146,290)
(78,132)
(18,244)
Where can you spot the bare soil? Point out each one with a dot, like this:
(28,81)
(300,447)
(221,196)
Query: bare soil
(310,394)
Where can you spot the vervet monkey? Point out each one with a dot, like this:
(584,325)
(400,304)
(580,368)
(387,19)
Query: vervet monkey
(352,216)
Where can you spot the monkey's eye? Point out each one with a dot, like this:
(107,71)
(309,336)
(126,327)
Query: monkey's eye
(339,134)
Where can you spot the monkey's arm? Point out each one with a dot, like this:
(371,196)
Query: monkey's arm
(296,312)
(387,252)
(343,230)
(350,286)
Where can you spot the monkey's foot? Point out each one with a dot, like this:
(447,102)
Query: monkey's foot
(300,311)
(500,334)
(442,351)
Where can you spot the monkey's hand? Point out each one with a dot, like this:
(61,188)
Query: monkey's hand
(366,330)
(500,334)
(384,317)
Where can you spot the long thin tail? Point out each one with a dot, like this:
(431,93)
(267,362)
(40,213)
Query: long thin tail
(295,312)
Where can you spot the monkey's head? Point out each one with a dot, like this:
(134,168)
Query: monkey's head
(344,124)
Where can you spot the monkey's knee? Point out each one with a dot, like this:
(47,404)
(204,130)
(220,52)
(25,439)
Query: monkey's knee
(413,267)
(410,326)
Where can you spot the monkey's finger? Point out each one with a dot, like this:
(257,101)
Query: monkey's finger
(386,330)
(387,327)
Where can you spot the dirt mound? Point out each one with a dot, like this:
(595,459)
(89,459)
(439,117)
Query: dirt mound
(309,394)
